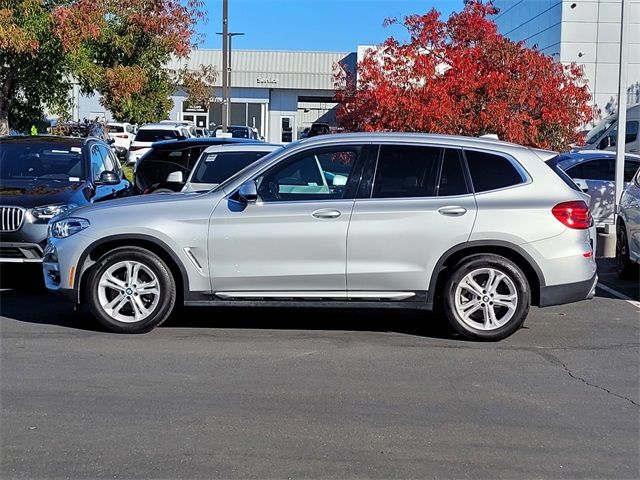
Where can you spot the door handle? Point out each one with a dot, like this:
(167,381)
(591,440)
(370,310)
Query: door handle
(326,213)
(452,211)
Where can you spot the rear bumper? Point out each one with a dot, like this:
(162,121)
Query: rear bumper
(568,293)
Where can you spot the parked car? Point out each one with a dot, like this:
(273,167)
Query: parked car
(594,172)
(202,132)
(162,158)
(189,125)
(219,162)
(482,228)
(122,134)
(43,176)
(154,132)
(318,128)
(628,231)
(604,136)
(239,131)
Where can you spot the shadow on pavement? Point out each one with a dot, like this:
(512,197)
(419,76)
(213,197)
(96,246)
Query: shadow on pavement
(41,307)
(607,276)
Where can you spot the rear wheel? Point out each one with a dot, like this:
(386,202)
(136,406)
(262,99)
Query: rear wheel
(131,290)
(624,268)
(486,297)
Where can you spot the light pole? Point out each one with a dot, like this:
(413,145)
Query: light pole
(226,67)
(225,77)
(622,102)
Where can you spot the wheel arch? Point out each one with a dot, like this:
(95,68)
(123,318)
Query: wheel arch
(512,252)
(98,248)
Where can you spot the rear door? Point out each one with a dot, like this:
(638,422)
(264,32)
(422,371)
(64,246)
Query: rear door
(415,203)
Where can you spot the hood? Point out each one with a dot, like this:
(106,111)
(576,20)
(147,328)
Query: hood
(139,201)
(35,193)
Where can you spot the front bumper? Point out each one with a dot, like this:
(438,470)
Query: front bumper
(24,245)
(568,293)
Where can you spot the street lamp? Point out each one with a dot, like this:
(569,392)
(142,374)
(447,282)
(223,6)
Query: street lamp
(226,66)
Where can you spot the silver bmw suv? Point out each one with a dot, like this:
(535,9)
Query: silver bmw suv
(479,228)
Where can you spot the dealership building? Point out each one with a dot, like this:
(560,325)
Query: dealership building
(583,31)
(280,93)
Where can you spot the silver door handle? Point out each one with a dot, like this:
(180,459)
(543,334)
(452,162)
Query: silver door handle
(452,211)
(325,213)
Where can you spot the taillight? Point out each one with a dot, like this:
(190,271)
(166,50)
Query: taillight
(133,149)
(122,136)
(574,214)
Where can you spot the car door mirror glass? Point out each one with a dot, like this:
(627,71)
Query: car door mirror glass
(175,177)
(248,192)
(109,178)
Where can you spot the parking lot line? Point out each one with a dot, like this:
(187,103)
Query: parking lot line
(619,295)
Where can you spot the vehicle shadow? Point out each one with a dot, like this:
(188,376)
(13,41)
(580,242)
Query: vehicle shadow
(41,307)
(407,322)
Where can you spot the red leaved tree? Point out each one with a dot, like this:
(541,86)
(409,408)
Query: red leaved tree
(462,77)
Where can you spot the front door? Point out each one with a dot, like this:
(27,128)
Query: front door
(293,239)
(418,207)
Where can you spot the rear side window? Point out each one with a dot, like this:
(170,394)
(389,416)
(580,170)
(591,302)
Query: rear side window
(406,171)
(155,135)
(490,171)
(115,129)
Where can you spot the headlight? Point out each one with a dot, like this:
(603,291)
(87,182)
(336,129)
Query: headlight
(68,226)
(47,212)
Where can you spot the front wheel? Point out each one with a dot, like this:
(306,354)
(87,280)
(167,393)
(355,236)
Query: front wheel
(131,290)
(624,268)
(486,297)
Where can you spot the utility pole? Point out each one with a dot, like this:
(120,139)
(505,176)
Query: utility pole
(225,67)
(622,101)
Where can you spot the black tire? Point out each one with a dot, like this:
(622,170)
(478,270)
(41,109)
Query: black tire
(166,282)
(518,281)
(625,269)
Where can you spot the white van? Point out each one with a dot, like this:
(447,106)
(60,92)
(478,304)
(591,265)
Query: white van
(604,135)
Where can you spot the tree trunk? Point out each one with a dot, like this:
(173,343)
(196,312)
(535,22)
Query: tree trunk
(5,91)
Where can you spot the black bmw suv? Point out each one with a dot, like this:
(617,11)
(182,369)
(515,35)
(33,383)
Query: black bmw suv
(43,176)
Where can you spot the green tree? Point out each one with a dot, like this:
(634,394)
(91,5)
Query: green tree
(33,67)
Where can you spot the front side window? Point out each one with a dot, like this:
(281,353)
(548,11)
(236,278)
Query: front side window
(315,175)
(406,171)
(97,162)
(490,171)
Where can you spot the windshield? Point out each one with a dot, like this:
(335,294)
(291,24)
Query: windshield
(217,167)
(149,135)
(41,160)
(598,130)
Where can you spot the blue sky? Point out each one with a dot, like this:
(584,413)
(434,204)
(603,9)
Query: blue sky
(314,25)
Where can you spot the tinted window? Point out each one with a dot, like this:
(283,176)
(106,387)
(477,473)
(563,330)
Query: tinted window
(115,129)
(155,135)
(452,180)
(598,169)
(157,164)
(406,171)
(631,133)
(316,175)
(489,171)
(630,169)
(217,167)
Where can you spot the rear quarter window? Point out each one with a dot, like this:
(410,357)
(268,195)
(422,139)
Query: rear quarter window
(490,171)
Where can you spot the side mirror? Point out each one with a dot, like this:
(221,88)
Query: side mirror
(109,178)
(175,177)
(248,192)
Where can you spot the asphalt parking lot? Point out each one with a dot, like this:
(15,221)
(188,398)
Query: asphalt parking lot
(269,393)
